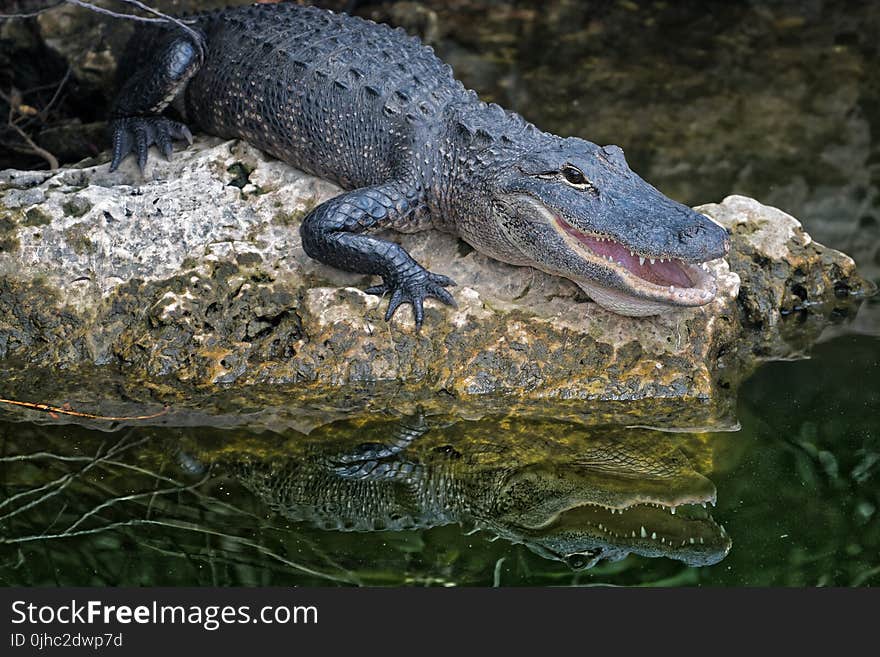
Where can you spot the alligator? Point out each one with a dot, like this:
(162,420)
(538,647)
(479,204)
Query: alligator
(375,111)
(580,499)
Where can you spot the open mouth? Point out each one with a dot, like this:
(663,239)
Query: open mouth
(658,271)
(645,275)
(687,524)
(647,528)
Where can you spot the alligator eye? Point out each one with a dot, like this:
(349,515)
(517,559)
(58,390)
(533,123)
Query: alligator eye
(574,176)
(582,560)
(577,561)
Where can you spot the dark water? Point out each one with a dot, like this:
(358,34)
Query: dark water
(443,501)
(778,101)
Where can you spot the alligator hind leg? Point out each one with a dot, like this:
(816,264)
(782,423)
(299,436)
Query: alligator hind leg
(136,121)
(334,233)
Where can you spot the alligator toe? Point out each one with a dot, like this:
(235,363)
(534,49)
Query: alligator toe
(413,290)
(135,135)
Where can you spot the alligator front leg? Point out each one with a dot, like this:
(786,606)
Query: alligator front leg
(378,461)
(334,233)
(136,122)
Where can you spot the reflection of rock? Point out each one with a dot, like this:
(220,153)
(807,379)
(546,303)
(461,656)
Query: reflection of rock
(197,275)
(567,494)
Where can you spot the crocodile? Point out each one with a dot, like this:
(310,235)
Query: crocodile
(581,498)
(378,113)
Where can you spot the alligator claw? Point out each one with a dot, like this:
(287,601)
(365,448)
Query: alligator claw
(414,290)
(135,134)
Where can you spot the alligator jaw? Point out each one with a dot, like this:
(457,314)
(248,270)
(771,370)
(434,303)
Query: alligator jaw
(686,532)
(652,282)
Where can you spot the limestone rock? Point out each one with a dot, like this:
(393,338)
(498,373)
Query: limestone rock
(194,275)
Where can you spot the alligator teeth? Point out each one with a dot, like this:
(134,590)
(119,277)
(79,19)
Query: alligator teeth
(651,260)
(641,260)
(692,540)
(672,510)
(643,532)
(634,533)
(701,540)
(653,536)
(632,254)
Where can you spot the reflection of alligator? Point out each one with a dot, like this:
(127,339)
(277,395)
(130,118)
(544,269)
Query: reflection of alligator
(578,501)
(375,111)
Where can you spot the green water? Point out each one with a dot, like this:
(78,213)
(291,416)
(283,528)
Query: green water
(796,490)
(779,101)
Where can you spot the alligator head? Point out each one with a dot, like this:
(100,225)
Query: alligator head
(608,507)
(575,209)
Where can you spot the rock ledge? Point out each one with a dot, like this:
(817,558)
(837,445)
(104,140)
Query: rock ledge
(196,275)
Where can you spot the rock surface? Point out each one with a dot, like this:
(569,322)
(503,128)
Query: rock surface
(194,275)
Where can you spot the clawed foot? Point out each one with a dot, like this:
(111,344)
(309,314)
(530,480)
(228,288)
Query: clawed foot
(414,289)
(136,134)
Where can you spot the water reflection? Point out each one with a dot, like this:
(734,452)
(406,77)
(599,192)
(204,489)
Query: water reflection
(567,493)
(111,507)
(191,503)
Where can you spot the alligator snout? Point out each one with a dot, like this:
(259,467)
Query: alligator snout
(705,238)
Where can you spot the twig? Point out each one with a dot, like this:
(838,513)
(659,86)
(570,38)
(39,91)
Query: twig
(32,14)
(133,496)
(42,152)
(109,464)
(63,482)
(43,455)
(9,500)
(46,408)
(174,525)
(44,111)
(161,18)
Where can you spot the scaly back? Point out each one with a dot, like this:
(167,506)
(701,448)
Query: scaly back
(334,95)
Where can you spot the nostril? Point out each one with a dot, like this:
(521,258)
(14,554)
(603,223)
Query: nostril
(691,232)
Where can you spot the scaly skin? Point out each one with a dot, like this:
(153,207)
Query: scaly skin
(375,111)
(603,501)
